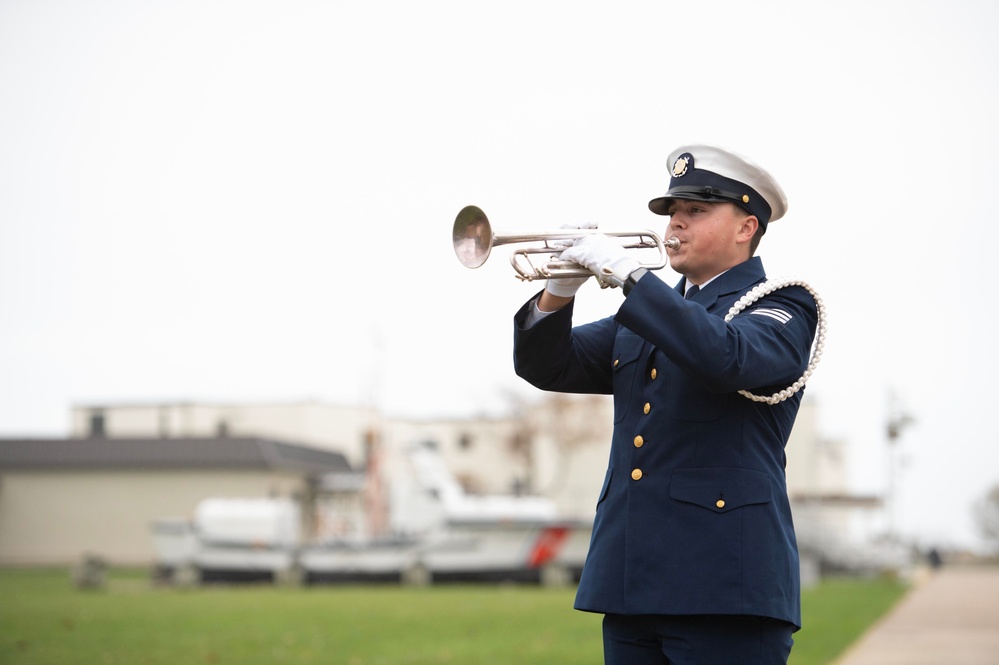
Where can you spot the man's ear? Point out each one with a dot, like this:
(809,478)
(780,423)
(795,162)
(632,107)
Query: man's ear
(748,228)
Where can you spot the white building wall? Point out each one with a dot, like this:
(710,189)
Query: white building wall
(482,454)
(57,517)
(815,465)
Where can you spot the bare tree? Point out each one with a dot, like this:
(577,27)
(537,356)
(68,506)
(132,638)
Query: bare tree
(987,516)
(570,422)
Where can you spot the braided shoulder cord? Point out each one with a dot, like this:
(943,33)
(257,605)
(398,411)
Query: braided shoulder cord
(762,290)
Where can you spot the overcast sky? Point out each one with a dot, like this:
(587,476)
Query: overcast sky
(252,201)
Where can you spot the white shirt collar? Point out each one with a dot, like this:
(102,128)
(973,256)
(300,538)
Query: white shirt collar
(688,284)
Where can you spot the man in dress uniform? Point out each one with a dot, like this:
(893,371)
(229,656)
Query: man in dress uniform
(693,558)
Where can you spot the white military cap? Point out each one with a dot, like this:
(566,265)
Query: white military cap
(709,173)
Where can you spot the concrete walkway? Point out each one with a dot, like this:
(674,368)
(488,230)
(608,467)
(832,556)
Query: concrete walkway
(951,617)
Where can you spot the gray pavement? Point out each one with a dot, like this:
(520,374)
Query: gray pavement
(950,617)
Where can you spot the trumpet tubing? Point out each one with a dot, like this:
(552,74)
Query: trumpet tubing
(473,239)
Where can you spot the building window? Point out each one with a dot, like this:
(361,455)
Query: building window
(465,441)
(97,424)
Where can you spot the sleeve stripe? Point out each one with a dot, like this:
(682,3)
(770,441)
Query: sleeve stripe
(779,314)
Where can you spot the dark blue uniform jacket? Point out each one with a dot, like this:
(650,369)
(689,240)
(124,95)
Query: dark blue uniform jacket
(693,516)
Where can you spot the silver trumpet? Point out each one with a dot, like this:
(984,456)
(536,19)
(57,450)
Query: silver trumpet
(473,239)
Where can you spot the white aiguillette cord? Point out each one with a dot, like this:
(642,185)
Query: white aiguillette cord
(762,290)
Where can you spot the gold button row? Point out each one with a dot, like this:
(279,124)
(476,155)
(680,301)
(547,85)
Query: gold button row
(639,441)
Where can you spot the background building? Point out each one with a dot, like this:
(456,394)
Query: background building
(62,499)
(126,465)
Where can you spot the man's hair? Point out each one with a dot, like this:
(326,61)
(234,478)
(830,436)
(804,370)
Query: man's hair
(755,242)
(760,229)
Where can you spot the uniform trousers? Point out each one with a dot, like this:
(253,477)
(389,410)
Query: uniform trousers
(695,640)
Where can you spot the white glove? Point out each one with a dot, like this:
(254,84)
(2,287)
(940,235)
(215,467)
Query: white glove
(604,257)
(566,287)
(558,245)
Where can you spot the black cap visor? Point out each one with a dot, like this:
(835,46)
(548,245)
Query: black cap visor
(660,206)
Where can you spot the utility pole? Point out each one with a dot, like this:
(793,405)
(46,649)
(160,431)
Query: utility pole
(898,420)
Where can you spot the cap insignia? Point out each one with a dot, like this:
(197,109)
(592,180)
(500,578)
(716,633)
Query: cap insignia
(681,165)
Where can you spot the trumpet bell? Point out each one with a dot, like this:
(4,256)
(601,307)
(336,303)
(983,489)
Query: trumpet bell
(472,237)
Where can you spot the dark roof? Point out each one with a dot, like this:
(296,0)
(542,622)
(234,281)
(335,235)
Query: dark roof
(162,453)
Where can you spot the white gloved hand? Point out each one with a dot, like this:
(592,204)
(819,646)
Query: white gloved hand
(604,257)
(559,245)
(566,287)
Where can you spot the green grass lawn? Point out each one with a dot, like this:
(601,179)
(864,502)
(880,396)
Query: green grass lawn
(838,611)
(45,620)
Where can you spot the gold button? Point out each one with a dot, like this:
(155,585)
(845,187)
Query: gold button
(636,474)
(720,503)
(639,441)
(616,361)
(648,407)
(745,199)
(653,374)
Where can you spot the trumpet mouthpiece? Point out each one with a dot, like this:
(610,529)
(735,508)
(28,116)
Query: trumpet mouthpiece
(672,243)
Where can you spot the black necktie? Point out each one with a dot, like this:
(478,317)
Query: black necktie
(691,292)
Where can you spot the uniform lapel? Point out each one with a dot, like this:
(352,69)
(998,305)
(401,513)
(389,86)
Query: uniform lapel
(738,279)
